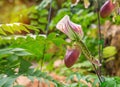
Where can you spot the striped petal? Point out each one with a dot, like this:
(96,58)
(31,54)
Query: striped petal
(71,29)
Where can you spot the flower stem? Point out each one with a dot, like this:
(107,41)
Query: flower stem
(99,76)
(88,55)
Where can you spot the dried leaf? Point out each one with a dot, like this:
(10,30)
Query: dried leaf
(86,3)
(96,62)
(75,2)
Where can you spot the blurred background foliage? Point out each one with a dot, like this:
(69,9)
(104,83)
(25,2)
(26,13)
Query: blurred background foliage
(37,49)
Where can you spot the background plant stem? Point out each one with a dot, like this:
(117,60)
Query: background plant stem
(99,35)
(49,18)
(47,29)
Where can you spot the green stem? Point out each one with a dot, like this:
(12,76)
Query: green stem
(43,56)
(88,55)
(49,17)
(85,51)
(100,37)
(47,29)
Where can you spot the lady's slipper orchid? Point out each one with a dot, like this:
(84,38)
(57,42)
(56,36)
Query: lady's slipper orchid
(72,30)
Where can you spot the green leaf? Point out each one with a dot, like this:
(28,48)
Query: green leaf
(22,53)
(31,27)
(3,81)
(24,66)
(85,64)
(12,58)
(15,51)
(21,27)
(109,51)
(2,32)
(33,16)
(5,51)
(43,4)
(18,86)
(117,80)
(111,82)
(48,56)
(51,36)
(7,28)
(9,82)
(108,84)
(18,49)
(43,20)
(15,27)
(58,41)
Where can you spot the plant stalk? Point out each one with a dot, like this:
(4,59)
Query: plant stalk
(49,18)
(88,55)
(47,29)
(99,76)
(99,34)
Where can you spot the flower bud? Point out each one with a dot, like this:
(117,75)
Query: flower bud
(107,8)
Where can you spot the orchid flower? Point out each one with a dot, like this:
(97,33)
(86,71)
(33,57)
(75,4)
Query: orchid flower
(72,30)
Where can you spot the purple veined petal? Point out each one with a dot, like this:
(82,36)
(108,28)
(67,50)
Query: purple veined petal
(62,25)
(76,28)
(69,28)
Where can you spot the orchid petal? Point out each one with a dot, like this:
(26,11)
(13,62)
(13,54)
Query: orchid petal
(62,24)
(69,28)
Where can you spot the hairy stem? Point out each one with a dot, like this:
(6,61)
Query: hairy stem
(88,55)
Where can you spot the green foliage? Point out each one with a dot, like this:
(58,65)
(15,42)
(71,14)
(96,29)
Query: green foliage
(42,75)
(11,58)
(24,66)
(93,80)
(18,52)
(38,19)
(117,19)
(78,80)
(83,65)
(111,82)
(43,4)
(13,28)
(109,51)
(37,45)
(8,81)
(39,16)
